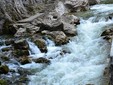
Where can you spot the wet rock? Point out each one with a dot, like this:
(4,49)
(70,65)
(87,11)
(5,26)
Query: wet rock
(4,69)
(93,2)
(58,37)
(19,53)
(6,49)
(5,58)
(3,82)
(22,79)
(23,71)
(41,45)
(76,5)
(24,60)
(8,29)
(108,34)
(21,44)
(42,60)
(9,41)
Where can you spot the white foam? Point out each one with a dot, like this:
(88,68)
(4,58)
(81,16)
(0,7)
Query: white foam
(103,8)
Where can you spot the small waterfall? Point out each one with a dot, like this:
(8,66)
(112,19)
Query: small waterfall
(86,61)
(33,48)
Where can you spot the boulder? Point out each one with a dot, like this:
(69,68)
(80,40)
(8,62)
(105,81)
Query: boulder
(21,44)
(93,2)
(19,52)
(24,60)
(51,22)
(8,29)
(41,44)
(58,37)
(76,5)
(21,48)
(42,60)
(69,29)
(4,69)
(108,35)
(26,29)
(70,19)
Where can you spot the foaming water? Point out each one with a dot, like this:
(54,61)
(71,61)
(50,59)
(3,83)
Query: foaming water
(84,64)
(103,8)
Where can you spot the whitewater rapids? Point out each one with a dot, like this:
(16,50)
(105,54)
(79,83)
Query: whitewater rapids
(87,60)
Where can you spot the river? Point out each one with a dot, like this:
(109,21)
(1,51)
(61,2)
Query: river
(87,58)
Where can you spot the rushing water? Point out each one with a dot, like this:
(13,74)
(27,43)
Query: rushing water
(86,61)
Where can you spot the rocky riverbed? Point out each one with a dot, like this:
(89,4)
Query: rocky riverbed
(48,25)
